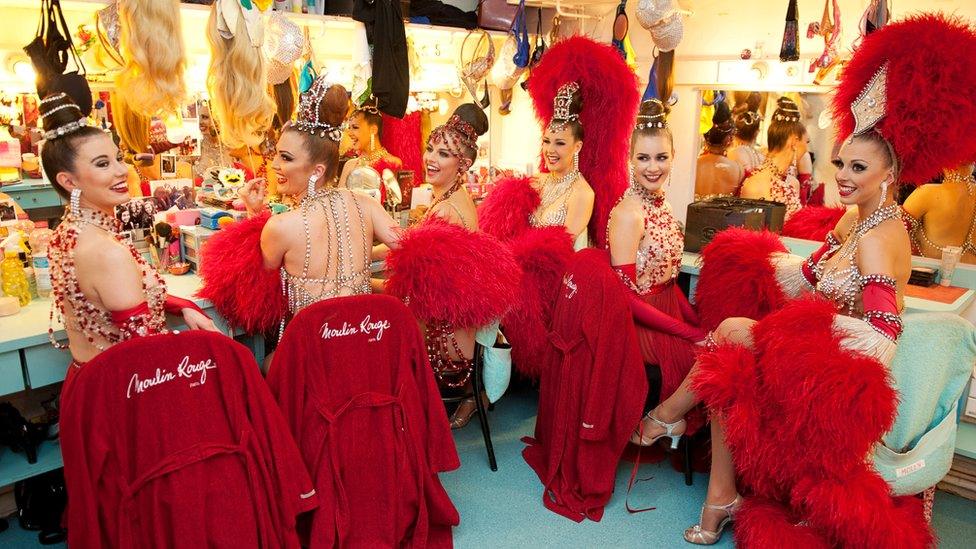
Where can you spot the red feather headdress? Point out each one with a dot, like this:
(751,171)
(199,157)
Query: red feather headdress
(610,101)
(917,75)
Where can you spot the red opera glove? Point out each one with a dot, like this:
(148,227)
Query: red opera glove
(134,321)
(650,317)
(880,303)
(807,266)
(175,305)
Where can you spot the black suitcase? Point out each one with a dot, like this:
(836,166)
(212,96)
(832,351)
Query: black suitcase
(707,218)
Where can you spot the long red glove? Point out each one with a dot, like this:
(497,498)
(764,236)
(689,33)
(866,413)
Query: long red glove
(134,320)
(807,266)
(880,303)
(175,305)
(650,317)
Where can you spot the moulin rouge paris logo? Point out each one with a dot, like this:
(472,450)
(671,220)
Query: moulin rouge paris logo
(373,329)
(195,372)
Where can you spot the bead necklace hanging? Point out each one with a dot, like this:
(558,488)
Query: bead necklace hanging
(91,320)
(454,188)
(439,338)
(956,177)
(367,159)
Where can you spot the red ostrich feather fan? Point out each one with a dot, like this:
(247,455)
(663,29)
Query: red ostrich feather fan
(402,137)
(610,101)
(929,111)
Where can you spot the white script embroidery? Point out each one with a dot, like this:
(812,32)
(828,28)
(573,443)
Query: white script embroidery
(184,370)
(372,329)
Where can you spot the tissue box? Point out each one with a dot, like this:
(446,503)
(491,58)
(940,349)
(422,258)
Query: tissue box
(209,217)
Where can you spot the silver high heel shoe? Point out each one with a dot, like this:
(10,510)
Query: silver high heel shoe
(674,431)
(699,536)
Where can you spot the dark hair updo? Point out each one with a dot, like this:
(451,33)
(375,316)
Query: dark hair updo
(652,121)
(720,134)
(746,117)
(371,114)
(786,123)
(321,148)
(477,119)
(60,152)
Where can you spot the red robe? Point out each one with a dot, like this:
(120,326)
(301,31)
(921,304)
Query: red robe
(592,392)
(175,441)
(352,377)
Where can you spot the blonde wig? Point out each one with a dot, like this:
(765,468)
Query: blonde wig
(132,127)
(237,83)
(152,45)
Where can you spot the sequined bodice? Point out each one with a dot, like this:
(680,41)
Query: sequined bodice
(78,313)
(303,290)
(787,191)
(552,193)
(659,251)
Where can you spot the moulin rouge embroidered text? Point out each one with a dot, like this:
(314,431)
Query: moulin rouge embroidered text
(372,329)
(197,372)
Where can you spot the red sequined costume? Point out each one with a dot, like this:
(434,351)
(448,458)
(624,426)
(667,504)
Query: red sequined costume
(802,412)
(100,327)
(610,97)
(667,325)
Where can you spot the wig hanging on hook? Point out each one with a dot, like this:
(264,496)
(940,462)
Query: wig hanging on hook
(151,82)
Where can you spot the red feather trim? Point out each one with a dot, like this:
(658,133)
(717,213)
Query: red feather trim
(813,222)
(386,164)
(448,273)
(246,294)
(929,111)
(543,254)
(787,413)
(402,137)
(505,212)
(737,278)
(610,94)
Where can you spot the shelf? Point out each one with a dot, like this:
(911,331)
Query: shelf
(14,466)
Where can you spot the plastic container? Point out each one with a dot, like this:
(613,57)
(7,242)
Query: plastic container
(39,240)
(15,283)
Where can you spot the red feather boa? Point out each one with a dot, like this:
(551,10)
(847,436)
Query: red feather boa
(402,137)
(928,116)
(813,222)
(610,94)
(246,294)
(543,254)
(737,278)
(505,212)
(448,273)
(801,414)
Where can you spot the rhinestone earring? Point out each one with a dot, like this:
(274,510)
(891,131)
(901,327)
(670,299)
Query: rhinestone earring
(75,201)
(372,142)
(312,180)
(884,193)
(576,161)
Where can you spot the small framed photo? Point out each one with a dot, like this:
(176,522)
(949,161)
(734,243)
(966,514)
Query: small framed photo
(167,165)
(168,193)
(136,214)
(190,112)
(8,210)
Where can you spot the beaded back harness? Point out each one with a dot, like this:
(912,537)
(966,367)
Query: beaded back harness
(94,322)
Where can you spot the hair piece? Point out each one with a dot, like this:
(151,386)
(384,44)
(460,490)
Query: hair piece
(927,115)
(237,84)
(370,113)
(785,124)
(284,98)
(566,108)
(720,134)
(65,128)
(665,75)
(652,121)
(746,117)
(152,80)
(460,133)
(320,115)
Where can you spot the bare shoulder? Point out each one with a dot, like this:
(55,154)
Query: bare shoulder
(883,248)
(583,187)
(101,250)
(627,211)
(845,223)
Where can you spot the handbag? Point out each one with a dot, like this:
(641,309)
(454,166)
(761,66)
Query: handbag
(50,51)
(707,218)
(496,362)
(924,465)
(499,15)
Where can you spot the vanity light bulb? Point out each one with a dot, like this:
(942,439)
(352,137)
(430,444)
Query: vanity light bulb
(175,132)
(442,106)
(24,72)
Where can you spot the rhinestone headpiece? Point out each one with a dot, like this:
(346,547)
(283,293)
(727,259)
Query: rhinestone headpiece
(787,114)
(561,110)
(869,107)
(308,112)
(64,130)
(659,120)
(457,135)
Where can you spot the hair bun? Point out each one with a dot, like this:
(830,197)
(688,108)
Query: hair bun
(474,116)
(786,110)
(654,108)
(334,106)
(722,115)
(58,110)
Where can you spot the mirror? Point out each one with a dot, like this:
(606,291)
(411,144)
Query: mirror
(734,148)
